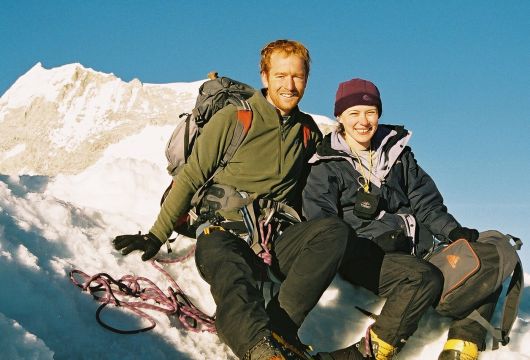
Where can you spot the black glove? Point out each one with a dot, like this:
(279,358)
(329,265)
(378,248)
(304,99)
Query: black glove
(470,235)
(394,241)
(147,243)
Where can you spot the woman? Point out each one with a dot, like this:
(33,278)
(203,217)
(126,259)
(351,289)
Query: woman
(365,173)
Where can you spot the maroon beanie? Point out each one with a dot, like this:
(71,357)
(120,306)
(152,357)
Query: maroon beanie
(357,92)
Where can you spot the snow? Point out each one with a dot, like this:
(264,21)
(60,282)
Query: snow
(180,86)
(50,225)
(13,151)
(323,120)
(20,344)
(71,114)
(43,84)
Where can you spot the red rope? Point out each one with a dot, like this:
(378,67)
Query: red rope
(139,293)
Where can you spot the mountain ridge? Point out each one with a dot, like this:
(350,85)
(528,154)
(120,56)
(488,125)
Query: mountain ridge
(42,113)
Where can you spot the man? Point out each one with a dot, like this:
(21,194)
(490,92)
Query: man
(268,165)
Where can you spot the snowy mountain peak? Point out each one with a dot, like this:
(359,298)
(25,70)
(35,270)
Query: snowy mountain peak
(60,120)
(45,83)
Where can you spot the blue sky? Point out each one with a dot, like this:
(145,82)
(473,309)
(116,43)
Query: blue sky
(456,73)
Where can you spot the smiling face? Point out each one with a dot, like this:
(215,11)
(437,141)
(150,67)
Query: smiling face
(285,81)
(360,124)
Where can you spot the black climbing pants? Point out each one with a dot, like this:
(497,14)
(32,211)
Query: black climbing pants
(410,286)
(306,257)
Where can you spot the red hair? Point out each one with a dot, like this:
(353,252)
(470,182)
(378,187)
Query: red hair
(286,47)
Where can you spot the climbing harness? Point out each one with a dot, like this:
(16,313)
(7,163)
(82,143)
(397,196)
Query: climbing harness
(262,219)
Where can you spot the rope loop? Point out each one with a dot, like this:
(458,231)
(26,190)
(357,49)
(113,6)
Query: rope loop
(137,294)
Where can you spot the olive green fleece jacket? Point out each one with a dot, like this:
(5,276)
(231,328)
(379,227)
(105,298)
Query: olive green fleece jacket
(269,162)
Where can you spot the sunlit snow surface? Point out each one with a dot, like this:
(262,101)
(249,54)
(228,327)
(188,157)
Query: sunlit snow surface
(50,225)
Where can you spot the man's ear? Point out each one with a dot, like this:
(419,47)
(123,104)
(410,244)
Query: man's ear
(264,79)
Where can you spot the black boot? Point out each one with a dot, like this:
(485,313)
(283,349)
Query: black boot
(265,349)
(273,347)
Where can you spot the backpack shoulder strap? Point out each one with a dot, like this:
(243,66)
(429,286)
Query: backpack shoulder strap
(509,313)
(307,134)
(511,304)
(494,332)
(244,121)
(244,117)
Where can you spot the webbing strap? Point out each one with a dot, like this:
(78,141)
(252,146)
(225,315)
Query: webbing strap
(513,298)
(513,295)
(518,242)
(251,221)
(495,333)
(187,138)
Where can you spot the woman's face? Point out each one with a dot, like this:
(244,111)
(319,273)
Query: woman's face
(360,124)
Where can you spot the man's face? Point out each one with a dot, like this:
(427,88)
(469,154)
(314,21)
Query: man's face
(360,124)
(286,81)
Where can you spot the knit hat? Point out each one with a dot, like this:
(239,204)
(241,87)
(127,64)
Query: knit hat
(357,92)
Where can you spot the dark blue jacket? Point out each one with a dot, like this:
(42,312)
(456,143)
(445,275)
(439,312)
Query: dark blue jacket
(410,199)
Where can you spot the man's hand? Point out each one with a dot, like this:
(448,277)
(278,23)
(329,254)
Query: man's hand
(470,235)
(147,243)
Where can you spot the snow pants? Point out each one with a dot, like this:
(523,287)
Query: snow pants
(306,256)
(409,284)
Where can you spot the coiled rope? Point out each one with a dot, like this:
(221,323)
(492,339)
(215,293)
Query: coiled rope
(137,294)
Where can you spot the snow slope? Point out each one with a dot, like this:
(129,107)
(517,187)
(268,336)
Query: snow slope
(51,223)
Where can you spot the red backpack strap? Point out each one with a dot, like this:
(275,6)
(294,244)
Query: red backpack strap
(241,129)
(307,134)
(245,118)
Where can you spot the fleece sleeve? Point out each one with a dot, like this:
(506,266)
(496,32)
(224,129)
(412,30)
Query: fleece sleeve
(204,159)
